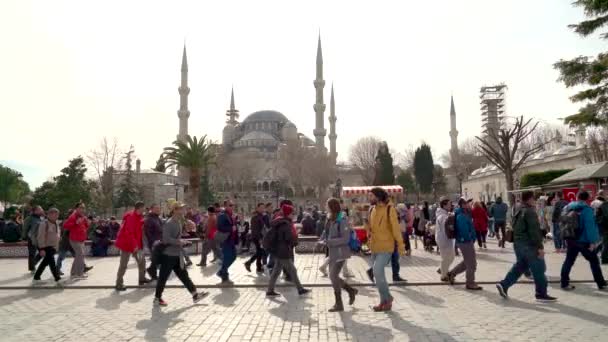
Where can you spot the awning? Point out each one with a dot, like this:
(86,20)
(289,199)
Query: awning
(363,190)
(585,172)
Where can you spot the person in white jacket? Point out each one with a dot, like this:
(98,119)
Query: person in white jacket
(445,245)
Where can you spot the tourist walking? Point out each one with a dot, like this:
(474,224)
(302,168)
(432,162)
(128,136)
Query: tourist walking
(444,239)
(226,227)
(558,207)
(586,242)
(529,250)
(173,257)
(280,242)
(153,232)
(337,236)
(499,212)
(48,241)
(77,225)
(29,234)
(480,221)
(209,243)
(602,222)
(130,243)
(384,234)
(465,241)
(257,234)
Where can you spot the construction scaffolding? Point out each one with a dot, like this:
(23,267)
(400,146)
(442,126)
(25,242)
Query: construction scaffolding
(492,108)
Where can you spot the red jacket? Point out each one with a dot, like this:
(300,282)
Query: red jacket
(211,226)
(480,219)
(130,235)
(78,231)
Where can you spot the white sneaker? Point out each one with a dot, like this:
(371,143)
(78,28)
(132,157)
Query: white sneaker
(323,271)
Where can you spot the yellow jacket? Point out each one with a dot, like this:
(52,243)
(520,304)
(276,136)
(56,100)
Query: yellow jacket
(384,231)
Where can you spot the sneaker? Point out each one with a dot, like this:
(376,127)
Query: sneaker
(120,288)
(79,277)
(545,298)
(568,287)
(202,264)
(502,291)
(272,294)
(398,279)
(302,292)
(259,270)
(474,287)
(451,279)
(37,281)
(385,306)
(248,267)
(144,281)
(160,302)
(197,297)
(152,273)
(370,274)
(61,273)
(348,275)
(323,271)
(87,268)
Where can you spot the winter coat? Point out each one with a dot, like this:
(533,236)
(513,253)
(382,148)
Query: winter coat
(283,238)
(29,224)
(130,235)
(308,225)
(172,233)
(465,232)
(48,234)
(383,229)
(557,209)
(337,235)
(12,232)
(480,219)
(590,233)
(211,226)
(77,225)
(153,229)
(526,227)
(410,219)
(440,236)
(257,226)
(225,225)
(499,211)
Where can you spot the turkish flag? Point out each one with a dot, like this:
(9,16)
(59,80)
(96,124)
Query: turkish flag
(570,194)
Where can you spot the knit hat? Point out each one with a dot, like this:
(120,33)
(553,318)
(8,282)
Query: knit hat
(287,209)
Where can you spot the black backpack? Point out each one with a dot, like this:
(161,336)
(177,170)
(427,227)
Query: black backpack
(450,226)
(569,225)
(269,242)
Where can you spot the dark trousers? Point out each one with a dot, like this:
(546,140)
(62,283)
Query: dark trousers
(258,256)
(228,257)
(527,259)
(49,259)
(605,248)
(172,264)
(395,263)
(32,255)
(481,238)
(500,227)
(573,249)
(406,241)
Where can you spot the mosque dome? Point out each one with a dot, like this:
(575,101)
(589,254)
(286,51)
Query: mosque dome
(257,139)
(266,116)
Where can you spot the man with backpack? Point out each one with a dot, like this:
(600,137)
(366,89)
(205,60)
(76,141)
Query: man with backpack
(47,242)
(601,216)
(465,241)
(557,212)
(498,212)
(30,233)
(582,236)
(529,250)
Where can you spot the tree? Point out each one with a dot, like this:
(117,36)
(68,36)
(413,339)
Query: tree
(585,70)
(105,160)
(320,172)
(13,188)
(363,157)
(128,192)
(383,167)
(503,146)
(406,180)
(194,155)
(541,178)
(596,148)
(292,161)
(160,165)
(424,168)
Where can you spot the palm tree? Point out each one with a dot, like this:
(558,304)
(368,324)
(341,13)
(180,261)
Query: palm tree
(193,155)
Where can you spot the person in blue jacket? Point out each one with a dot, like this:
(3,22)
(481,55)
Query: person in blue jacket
(465,241)
(586,244)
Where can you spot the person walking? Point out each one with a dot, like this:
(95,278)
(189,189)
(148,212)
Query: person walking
(586,243)
(280,242)
(257,234)
(499,212)
(173,257)
(558,207)
(465,241)
(602,222)
(226,226)
(384,233)
(209,244)
(153,232)
(445,243)
(130,243)
(77,225)
(337,236)
(529,250)
(48,241)
(29,233)
(480,221)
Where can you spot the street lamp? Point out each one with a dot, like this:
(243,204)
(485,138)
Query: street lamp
(176,191)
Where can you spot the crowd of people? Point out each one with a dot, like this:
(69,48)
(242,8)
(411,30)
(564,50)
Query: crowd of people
(576,228)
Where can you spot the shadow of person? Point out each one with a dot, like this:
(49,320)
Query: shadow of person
(420,297)
(413,330)
(156,327)
(489,258)
(30,294)
(293,309)
(227,297)
(16,279)
(113,301)
(354,328)
(210,270)
(582,289)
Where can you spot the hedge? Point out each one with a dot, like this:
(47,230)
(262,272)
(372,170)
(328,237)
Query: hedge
(540,178)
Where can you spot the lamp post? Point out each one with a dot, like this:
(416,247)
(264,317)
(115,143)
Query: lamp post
(176,191)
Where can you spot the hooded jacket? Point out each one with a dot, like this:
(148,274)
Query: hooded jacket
(465,232)
(590,233)
(130,235)
(499,211)
(153,229)
(480,219)
(337,235)
(284,240)
(526,227)
(384,231)
(78,231)
(440,235)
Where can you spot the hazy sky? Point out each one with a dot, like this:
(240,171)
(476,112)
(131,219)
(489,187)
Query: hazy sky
(72,72)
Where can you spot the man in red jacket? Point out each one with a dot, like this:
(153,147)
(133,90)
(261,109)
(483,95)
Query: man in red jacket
(130,243)
(77,224)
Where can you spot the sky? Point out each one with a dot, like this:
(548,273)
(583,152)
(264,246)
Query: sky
(72,72)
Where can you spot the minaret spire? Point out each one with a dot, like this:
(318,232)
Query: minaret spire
(319,106)
(332,126)
(183,113)
(453,133)
(232,113)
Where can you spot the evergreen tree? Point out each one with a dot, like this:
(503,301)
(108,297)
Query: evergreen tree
(384,166)
(424,168)
(160,165)
(128,193)
(206,195)
(584,70)
(406,180)
(13,188)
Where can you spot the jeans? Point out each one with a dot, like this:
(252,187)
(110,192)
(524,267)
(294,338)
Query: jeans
(379,261)
(573,249)
(258,256)
(500,227)
(557,240)
(228,257)
(527,258)
(290,269)
(61,256)
(334,275)
(32,255)
(172,264)
(468,263)
(481,238)
(49,259)
(605,248)
(78,263)
(124,261)
(406,241)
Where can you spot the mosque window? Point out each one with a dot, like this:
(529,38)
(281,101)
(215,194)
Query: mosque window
(266,186)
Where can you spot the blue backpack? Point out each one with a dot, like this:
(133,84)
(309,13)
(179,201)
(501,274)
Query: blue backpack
(353,242)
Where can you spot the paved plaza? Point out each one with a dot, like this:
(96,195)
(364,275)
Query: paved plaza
(425,310)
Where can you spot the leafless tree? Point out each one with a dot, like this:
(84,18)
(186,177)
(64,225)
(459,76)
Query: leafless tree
(320,172)
(293,162)
(502,147)
(104,161)
(596,147)
(543,135)
(363,157)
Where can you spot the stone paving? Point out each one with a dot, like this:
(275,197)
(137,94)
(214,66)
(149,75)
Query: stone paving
(420,313)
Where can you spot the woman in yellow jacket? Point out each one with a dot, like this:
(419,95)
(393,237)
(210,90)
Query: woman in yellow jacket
(384,234)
